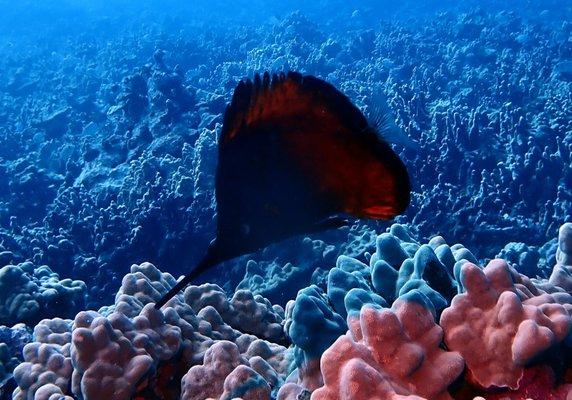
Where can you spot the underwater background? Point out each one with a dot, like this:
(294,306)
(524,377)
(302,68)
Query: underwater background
(109,117)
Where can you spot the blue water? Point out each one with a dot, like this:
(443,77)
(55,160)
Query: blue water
(110,112)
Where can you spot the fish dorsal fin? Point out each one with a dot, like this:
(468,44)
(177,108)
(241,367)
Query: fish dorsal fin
(266,100)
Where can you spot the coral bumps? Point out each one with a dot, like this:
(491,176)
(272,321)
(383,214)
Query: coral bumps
(380,329)
(29,294)
(388,354)
(115,163)
(134,350)
(498,329)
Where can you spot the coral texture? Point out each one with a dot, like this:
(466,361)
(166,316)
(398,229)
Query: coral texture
(562,272)
(47,365)
(512,334)
(389,354)
(29,294)
(115,163)
(109,119)
(496,331)
(138,351)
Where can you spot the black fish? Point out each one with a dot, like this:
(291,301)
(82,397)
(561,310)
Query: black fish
(294,155)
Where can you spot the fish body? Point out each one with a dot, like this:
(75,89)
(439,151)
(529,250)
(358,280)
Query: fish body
(294,155)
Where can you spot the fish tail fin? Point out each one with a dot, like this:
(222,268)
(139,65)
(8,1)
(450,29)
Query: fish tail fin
(210,259)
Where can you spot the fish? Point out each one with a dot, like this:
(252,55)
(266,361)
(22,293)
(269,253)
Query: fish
(295,156)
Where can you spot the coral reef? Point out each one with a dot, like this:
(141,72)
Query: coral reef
(513,334)
(226,375)
(109,119)
(497,331)
(562,272)
(505,335)
(29,294)
(139,351)
(388,354)
(12,342)
(47,365)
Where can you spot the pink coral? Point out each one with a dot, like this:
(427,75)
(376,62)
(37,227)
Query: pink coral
(293,391)
(131,350)
(47,361)
(144,284)
(120,369)
(207,380)
(246,383)
(50,392)
(495,330)
(245,312)
(226,374)
(389,354)
(538,383)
